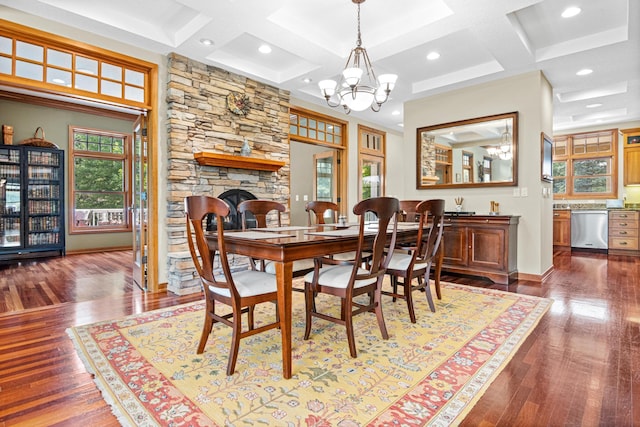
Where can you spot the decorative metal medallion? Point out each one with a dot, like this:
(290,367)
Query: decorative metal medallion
(238,103)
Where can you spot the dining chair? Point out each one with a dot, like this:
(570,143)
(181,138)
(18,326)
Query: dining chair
(240,290)
(414,262)
(349,280)
(317,212)
(408,208)
(262,211)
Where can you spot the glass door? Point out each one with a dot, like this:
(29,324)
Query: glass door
(139,203)
(10,199)
(325,179)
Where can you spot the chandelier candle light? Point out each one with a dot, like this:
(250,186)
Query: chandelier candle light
(358,88)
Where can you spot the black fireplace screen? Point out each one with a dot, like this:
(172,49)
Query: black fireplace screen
(233,221)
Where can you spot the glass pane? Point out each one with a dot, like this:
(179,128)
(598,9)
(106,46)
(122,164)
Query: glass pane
(133,77)
(60,59)
(134,93)
(321,136)
(559,186)
(601,184)
(321,125)
(371,179)
(303,121)
(591,167)
(111,89)
(99,209)
(111,72)
(5,65)
(86,65)
(58,77)
(28,70)
(293,119)
(312,123)
(88,83)
(6,45)
(293,129)
(303,131)
(98,175)
(312,133)
(29,51)
(559,168)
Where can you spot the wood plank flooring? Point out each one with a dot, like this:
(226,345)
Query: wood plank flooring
(580,367)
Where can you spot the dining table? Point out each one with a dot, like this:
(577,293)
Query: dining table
(284,245)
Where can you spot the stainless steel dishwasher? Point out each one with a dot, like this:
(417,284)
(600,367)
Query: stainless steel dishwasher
(590,229)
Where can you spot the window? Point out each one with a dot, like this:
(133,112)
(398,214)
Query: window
(371,155)
(99,181)
(585,165)
(306,126)
(66,68)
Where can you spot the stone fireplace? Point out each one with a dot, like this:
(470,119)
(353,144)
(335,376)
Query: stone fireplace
(199,121)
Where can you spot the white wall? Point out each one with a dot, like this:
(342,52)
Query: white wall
(530,95)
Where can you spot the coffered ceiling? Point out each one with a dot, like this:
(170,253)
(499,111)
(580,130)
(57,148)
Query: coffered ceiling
(478,41)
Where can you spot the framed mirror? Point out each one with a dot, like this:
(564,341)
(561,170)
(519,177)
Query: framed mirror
(479,152)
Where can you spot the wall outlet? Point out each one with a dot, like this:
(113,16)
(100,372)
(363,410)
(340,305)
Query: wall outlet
(305,198)
(516,192)
(524,192)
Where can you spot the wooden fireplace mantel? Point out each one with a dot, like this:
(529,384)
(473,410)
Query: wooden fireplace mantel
(206,158)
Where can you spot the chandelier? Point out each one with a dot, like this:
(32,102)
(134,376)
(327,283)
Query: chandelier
(503,151)
(358,88)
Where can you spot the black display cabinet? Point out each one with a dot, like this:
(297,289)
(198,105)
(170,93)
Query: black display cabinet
(31,202)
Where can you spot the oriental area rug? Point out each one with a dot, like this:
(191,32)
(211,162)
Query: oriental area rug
(428,373)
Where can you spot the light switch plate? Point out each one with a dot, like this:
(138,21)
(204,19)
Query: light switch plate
(524,192)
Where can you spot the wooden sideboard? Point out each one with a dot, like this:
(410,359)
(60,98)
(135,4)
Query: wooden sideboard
(482,245)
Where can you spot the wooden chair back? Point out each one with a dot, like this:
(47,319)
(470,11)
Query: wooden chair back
(386,210)
(260,209)
(409,212)
(316,211)
(196,209)
(433,211)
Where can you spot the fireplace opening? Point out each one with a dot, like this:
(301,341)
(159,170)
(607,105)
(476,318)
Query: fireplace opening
(233,221)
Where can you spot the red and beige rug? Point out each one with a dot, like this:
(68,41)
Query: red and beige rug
(428,373)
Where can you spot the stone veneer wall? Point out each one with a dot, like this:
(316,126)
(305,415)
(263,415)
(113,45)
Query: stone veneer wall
(199,120)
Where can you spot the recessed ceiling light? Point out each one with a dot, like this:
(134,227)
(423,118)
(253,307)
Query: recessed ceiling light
(433,55)
(265,49)
(307,80)
(206,42)
(584,72)
(401,125)
(395,113)
(571,12)
(594,105)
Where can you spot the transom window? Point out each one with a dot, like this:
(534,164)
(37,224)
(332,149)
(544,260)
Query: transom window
(308,127)
(585,165)
(99,173)
(70,70)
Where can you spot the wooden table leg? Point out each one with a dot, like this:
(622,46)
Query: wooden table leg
(284,274)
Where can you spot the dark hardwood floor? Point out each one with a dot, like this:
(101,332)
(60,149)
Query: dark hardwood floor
(580,367)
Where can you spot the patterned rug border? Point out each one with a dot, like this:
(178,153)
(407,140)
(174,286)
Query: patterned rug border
(453,412)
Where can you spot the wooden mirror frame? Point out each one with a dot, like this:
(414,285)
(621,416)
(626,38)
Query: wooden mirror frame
(469,127)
